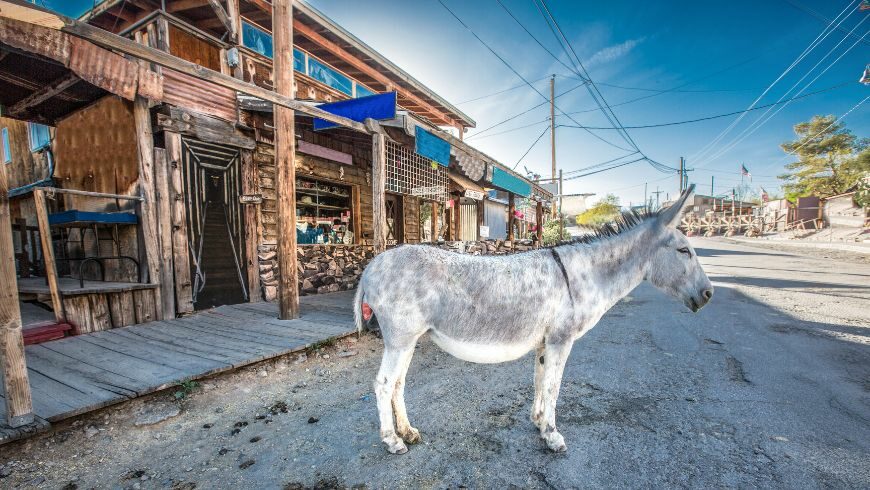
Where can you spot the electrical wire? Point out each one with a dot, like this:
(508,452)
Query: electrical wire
(532,146)
(530,109)
(708,118)
(500,92)
(817,15)
(505,62)
(514,129)
(599,164)
(573,177)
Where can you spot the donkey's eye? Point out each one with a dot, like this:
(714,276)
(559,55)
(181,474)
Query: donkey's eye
(685,250)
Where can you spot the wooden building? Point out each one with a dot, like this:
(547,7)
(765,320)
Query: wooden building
(158,162)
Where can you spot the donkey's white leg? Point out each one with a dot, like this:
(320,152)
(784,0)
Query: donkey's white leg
(555,357)
(385,386)
(538,404)
(403,425)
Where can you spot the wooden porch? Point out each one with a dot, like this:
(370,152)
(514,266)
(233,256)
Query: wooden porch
(79,374)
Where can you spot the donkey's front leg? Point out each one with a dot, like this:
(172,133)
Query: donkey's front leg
(555,357)
(385,386)
(403,425)
(538,404)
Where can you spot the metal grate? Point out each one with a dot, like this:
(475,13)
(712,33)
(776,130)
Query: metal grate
(409,173)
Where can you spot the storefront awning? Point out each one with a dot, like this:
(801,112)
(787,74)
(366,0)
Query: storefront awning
(467,186)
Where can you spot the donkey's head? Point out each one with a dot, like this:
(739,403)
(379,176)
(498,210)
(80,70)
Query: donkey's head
(674,266)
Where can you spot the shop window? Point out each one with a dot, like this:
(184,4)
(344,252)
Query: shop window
(362,91)
(7,150)
(324,212)
(39,136)
(329,76)
(257,39)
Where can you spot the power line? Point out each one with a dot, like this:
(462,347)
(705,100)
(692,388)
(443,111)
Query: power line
(605,169)
(530,109)
(532,146)
(513,129)
(500,91)
(675,123)
(505,62)
(599,164)
(819,16)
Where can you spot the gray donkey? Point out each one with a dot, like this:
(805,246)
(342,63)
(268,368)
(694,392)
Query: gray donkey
(490,309)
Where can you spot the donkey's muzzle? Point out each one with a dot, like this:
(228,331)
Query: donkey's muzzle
(702,299)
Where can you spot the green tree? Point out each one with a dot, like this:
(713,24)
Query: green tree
(604,211)
(550,235)
(830,159)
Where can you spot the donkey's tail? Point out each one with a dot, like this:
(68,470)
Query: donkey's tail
(357,308)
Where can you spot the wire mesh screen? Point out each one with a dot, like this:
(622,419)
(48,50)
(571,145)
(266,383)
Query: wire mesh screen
(409,173)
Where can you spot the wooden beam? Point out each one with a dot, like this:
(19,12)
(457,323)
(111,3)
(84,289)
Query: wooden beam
(434,231)
(17,10)
(360,65)
(164,212)
(457,219)
(19,404)
(379,203)
(511,218)
(251,186)
(148,220)
(48,253)
(180,245)
(539,220)
(235,16)
(285,161)
(40,96)
(222,15)
(182,5)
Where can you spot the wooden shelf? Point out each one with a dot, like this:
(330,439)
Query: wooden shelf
(321,206)
(318,192)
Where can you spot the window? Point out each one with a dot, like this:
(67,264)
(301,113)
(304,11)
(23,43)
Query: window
(328,75)
(323,212)
(258,40)
(39,136)
(7,150)
(361,91)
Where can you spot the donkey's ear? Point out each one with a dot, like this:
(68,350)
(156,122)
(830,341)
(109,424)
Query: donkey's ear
(671,216)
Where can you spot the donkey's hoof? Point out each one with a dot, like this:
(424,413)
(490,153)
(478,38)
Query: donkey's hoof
(412,436)
(395,445)
(555,442)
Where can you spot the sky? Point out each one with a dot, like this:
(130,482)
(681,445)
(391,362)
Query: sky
(720,57)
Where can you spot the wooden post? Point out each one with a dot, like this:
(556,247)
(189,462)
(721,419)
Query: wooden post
(379,180)
(250,186)
(434,222)
(511,209)
(481,209)
(180,246)
(48,253)
(539,221)
(24,261)
(457,219)
(164,211)
(285,160)
(148,220)
(19,405)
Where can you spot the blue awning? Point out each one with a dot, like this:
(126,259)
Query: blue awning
(379,107)
(430,146)
(511,183)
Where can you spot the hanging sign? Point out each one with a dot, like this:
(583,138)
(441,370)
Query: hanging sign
(427,191)
(250,199)
(428,145)
(484,232)
(380,107)
(472,194)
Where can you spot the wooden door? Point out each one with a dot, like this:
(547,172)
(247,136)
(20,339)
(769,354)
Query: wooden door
(395,219)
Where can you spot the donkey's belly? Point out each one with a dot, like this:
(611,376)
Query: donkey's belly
(485,353)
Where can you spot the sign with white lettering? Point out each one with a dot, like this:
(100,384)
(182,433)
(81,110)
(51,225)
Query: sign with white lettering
(426,191)
(250,199)
(484,232)
(472,194)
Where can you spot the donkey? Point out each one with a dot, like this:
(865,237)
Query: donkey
(490,309)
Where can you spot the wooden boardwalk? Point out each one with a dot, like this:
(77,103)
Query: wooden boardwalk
(78,374)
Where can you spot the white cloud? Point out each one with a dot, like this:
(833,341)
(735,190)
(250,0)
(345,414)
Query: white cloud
(611,53)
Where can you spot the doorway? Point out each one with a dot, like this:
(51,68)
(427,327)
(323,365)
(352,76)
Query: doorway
(395,219)
(215,218)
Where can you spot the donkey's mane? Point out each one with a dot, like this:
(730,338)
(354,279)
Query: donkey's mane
(626,220)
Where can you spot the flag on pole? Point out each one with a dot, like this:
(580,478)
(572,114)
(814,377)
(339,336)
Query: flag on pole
(764,196)
(745,171)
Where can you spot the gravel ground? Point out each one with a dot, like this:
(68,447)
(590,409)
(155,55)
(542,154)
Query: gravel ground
(820,252)
(769,386)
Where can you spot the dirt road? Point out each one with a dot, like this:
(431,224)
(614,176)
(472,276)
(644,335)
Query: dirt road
(769,386)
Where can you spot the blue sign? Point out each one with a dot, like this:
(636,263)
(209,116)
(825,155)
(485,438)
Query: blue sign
(380,107)
(510,183)
(432,147)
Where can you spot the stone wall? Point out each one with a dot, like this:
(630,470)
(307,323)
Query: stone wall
(322,268)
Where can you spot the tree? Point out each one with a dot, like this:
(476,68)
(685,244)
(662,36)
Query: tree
(604,211)
(550,234)
(830,159)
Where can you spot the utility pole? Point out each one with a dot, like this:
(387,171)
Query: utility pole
(682,172)
(657,193)
(553,135)
(712,193)
(561,221)
(645,200)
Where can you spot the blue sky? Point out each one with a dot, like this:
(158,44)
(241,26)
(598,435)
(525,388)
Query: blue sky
(641,45)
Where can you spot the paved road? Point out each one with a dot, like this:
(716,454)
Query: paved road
(769,386)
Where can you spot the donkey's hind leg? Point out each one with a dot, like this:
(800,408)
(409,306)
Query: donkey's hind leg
(385,385)
(403,425)
(555,357)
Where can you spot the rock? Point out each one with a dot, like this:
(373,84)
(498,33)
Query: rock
(313,420)
(262,373)
(91,431)
(347,353)
(247,464)
(300,359)
(5,470)
(326,356)
(154,413)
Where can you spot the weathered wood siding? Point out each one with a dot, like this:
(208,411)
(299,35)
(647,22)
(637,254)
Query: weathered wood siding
(26,167)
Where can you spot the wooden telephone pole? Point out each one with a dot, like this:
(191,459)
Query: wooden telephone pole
(553,137)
